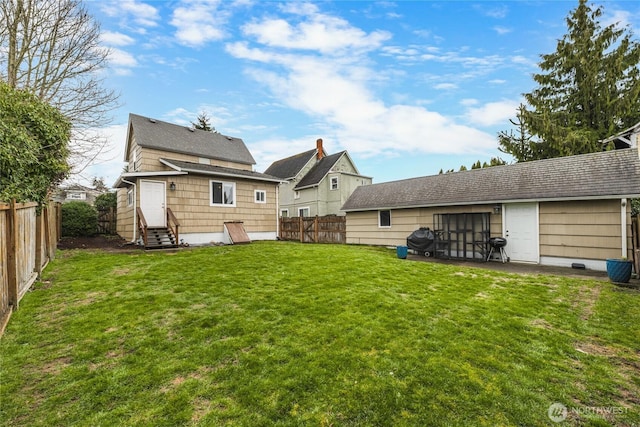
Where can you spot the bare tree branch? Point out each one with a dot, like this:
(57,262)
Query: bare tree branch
(52,48)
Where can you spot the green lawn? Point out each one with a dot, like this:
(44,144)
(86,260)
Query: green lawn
(277,333)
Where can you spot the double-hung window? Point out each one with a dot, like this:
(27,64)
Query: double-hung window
(223,193)
(334,182)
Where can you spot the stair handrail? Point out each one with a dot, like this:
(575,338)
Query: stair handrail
(173,224)
(142,225)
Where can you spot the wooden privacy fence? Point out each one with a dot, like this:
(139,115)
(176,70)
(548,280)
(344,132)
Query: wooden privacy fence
(107,221)
(27,243)
(318,229)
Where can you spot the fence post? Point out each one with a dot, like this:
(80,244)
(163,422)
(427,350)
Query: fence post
(315,229)
(39,235)
(12,275)
(301,228)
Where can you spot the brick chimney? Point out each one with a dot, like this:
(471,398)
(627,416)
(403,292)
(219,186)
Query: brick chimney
(319,148)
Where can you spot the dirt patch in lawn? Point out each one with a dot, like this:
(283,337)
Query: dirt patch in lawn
(103,242)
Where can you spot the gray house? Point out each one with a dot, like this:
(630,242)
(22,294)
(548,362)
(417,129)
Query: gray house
(552,212)
(315,183)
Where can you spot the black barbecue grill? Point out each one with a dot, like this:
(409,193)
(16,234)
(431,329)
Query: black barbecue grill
(497,244)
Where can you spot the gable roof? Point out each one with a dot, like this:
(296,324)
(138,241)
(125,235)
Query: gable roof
(291,166)
(624,139)
(611,174)
(319,171)
(159,135)
(182,166)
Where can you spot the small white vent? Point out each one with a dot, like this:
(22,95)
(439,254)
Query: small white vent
(152,120)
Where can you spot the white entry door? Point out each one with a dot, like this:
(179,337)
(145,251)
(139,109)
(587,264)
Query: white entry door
(520,221)
(152,202)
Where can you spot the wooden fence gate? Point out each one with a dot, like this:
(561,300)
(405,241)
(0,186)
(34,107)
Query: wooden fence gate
(318,229)
(107,221)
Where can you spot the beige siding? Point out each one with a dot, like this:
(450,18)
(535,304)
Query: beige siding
(124,223)
(148,160)
(583,230)
(362,227)
(190,203)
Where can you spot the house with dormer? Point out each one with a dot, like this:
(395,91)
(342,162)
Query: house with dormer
(316,183)
(188,186)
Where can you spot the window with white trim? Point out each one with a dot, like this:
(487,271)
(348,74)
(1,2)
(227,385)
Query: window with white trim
(130,197)
(260,196)
(284,213)
(76,195)
(334,183)
(303,211)
(384,219)
(222,193)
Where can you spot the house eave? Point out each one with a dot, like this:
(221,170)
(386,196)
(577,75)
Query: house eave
(219,173)
(125,176)
(495,202)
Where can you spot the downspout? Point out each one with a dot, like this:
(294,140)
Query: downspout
(278,211)
(623,227)
(135,214)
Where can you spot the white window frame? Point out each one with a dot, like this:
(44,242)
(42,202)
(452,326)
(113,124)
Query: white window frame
(306,208)
(284,213)
(380,217)
(130,197)
(260,196)
(224,184)
(332,186)
(76,195)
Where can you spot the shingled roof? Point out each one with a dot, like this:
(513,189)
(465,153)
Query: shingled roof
(319,171)
(289,167)
(611,174)
(156,134)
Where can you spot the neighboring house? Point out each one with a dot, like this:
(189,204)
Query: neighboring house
(553,212)
(202,180)
(628,138)
(76,193)
(316,183)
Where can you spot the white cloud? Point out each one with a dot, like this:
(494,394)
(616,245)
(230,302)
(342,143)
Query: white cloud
(142,14)
(120,58)
(116,39)
(326,83)
(445,86)
(493,113)
(621,18)
(110,162)
(198,22)
(323,33)
(497,12)
(502,30)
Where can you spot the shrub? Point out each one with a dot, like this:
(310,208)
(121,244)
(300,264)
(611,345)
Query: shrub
(79,219)
(106,201)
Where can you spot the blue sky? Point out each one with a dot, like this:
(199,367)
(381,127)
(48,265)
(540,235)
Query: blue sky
(407,87)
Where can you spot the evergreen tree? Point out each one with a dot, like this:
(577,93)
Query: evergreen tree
(588,89)
(203,122)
